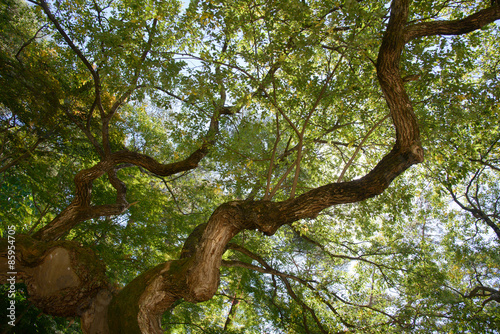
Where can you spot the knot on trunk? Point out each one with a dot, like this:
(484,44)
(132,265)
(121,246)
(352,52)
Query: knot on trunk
(62,277)
(417,152)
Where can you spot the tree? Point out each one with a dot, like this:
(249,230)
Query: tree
(166,144)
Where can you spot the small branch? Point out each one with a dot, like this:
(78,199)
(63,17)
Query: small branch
(137,72)
(269,270)
(131,88)
(186,324)
(235,301)
(219,63)
(22,156)
(283,177)
(179,98)
(484,291)
(240,264)
(95,75)
(486,163)
(173,196)
(86,131)
(475,211)
(349,163)
(306,122)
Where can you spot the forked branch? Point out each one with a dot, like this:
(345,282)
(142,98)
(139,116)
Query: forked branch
(80,209)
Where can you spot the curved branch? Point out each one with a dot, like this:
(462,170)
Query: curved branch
(195,277)
(29,151)
(300,145)
(455,27)
(80,208)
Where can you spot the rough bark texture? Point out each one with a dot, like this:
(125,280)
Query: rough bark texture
(65,280)
(195,277)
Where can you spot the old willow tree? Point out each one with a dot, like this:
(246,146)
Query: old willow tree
(246,166)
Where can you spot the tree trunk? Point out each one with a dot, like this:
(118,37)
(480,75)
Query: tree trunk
(67,280)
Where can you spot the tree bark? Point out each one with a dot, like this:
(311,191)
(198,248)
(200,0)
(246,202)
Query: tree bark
(195,276)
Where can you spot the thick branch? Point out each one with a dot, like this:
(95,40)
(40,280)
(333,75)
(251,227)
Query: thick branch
(456,27)
(200,272)
(196,278)
(389,76)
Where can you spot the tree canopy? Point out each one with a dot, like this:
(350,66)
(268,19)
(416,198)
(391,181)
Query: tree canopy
(251,166)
